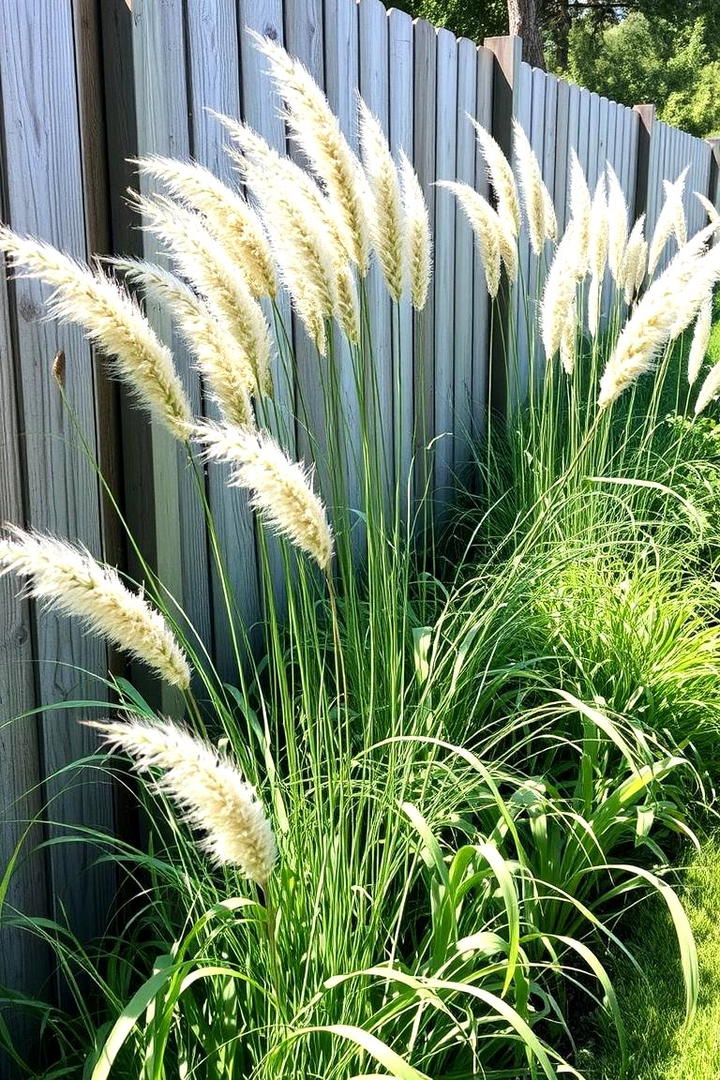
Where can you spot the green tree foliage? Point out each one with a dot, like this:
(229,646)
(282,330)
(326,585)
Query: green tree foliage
(651,60)
(475,19)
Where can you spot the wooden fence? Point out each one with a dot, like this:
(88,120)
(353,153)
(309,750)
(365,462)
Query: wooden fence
(85,85)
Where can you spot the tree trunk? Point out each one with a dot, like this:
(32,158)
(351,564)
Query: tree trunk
(522,16)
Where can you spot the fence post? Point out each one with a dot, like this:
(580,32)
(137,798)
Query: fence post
(714,182)
(507,57)
(642,165)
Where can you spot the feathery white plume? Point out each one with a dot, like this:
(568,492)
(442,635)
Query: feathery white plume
(559,296)
(701,338)
(387,217)
(281,489)
(316,131)
(230,381)
(539,210)
(230,219)
(500,176)
(580,202)
(112,321)
(309,239)
(418,244)
(67,578)
(599,234)
(632,272)
(617,212)
(648,328)
(208,788)
(709,208)
(207,266)
(485,225)
(568,338)
(671,220)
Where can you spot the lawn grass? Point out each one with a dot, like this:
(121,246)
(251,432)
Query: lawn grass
(662,1047)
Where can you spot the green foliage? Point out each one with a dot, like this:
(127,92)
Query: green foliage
(475,20)
(649,59)
(663,1047)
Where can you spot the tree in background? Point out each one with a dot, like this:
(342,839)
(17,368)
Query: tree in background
(641,59)
(661,51)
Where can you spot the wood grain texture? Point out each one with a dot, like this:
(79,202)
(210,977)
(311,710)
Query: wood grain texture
(445,209)
(482,313)
(425,92)
(461,420)
(24,963)
(160,44)
(400,51)
(39,107)
(212,30)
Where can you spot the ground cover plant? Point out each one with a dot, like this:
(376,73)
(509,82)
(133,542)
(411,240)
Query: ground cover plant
(664,1049)
(402,840)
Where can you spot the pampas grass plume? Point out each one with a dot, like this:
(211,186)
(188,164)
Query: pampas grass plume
(559,296)
(633,267)
(418,244)
(387,223)
(617,213)
(701,339)
(651,323)
(230,382)
(112,321)
(207,266)
(709,208)
(580,211)
(485,225)
(671,220)
(69,579)
(539,210)
(500,176)
(230,219)
(316,131)
(209,789)
(281,489)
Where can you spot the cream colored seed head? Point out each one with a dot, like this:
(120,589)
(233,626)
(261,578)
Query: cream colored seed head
(709,208)
(539,209)
(500,175)
(599,231)
(508,248)
(633,264)
(303,248)
(671,220)
(709,389)
(701,339)
(418,244)
(485,225)
(568,339)
(281,489)
(593,305)
(67,578)
(316,132)
(111,320)
(216,350)
(207,266)
(384,184)
(649,327)
(559,296)
(617,226)
(580,211)
(208,788)
(228,217)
